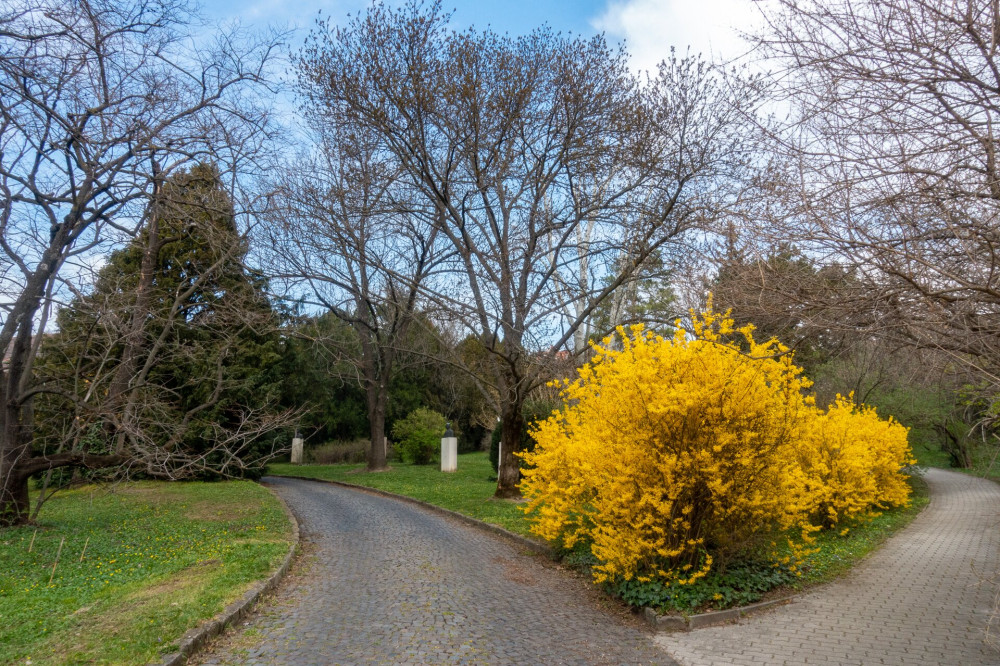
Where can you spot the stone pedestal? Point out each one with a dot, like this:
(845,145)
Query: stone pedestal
(297,451)
(449,451)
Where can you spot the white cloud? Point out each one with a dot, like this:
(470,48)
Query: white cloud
(651,27)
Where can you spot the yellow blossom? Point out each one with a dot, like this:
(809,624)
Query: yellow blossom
(671,451)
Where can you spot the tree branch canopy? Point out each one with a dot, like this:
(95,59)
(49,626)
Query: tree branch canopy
(892,161)
(102,104)
(549,172)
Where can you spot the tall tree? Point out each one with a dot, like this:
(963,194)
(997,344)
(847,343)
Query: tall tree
(171,356)
(893,138)
(516,145)
(350,241)
(811,308)
(100,101)
(319,377)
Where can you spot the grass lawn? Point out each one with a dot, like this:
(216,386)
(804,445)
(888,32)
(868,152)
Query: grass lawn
(468,490)
(160,557)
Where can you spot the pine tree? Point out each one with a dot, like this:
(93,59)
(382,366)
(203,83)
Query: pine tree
(171,362)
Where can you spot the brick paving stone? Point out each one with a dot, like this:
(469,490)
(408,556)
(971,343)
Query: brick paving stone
(923,598)
(393,583)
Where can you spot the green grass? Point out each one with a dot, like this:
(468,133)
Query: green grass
(468,491)
(985,462)
(160,557)
(930,454)
(985,459)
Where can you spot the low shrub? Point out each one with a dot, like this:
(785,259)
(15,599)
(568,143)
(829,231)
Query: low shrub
(418,436)
(337,452)
(852,460)
(675,457)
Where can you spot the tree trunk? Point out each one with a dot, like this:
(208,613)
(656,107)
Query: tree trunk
(15,450)
(13,496)
(377,399)
(509,467)
(16,433)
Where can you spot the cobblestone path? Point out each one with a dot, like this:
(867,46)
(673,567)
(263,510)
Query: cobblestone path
(390,583)
(923,598)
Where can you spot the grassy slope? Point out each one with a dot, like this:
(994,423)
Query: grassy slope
(931,455)
(160,557)
(468,490)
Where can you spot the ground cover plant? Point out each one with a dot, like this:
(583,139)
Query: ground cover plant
(469,490)
(677,458)
(137,567)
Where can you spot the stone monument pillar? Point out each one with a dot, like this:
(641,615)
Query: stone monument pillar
(297,449)
(449,451)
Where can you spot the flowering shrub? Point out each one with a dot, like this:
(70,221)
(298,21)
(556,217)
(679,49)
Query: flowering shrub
(853,461)
(671,455)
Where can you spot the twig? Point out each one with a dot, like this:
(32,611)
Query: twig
(84,549)
(54,564)
(32,544)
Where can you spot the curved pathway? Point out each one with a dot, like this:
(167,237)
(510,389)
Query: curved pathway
(388,582)
(926,597)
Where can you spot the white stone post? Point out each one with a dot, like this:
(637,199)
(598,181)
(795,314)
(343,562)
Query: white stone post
(297,449)
(449,451)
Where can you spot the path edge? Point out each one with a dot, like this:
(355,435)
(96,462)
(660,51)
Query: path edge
(672,623)
(669,623)
(194,639)
(536,546)
(657,622)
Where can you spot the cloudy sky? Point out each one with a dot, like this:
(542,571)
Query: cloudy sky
(649,27)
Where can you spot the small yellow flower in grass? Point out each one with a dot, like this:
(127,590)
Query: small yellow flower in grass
(844,531)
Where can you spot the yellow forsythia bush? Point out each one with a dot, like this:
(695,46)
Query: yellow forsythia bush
(853,461)
(671,454)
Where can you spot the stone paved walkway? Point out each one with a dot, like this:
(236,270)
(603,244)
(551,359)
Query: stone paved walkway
(921,599)
(392,583)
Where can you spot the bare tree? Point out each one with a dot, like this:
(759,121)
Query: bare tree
(350,241)
(540,156)
(100,102)
(894,157)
